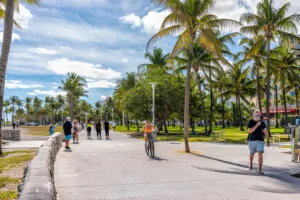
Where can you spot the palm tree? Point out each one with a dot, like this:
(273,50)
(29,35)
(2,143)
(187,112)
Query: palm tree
(271,23)
(37,105)
(190,18)
(158,61)
(13,100)
(10,6)
(74,86)
(254,50)
(239,85)
(6,104)
(286,63)
(28,101)
(19,103)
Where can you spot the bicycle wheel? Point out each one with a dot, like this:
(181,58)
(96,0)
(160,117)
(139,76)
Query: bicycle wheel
(147,148)
(151,145)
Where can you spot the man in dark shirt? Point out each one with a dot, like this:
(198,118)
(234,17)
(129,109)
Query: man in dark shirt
(106,128)
(68,132)
(257,131)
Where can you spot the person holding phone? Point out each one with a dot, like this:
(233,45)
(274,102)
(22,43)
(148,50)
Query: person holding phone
(257,133)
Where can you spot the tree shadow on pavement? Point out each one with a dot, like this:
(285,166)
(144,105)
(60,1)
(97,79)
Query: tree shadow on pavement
(283,182)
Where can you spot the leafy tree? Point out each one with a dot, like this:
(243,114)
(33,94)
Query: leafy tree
(271,23)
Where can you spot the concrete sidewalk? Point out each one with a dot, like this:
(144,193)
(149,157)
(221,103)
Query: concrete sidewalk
(120,169)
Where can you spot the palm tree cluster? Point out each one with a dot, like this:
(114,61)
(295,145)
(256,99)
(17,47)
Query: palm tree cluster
(201,51)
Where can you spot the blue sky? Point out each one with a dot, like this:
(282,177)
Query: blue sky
(98,39)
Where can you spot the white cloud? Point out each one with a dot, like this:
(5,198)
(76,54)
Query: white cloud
(32,93)
(42,51)
(88,70)
(153,21)
(125,60)
(16,84)
(101,84)
(14,37)
(23,17)
(132,19)
(66,48)
(46,92)
(103,97)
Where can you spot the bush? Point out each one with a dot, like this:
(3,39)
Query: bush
(290,120)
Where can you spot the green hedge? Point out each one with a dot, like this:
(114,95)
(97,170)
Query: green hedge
(290,119)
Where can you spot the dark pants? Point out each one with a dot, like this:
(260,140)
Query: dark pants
(107,132)
(99,133)
(89,130)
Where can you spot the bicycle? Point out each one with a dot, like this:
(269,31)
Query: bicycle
(149,148)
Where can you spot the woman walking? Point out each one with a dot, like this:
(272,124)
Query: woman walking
(89,129)
(51,129)
(76,131)
(98,129)
(106,127)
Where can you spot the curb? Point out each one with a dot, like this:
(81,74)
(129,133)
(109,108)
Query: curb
(38,179)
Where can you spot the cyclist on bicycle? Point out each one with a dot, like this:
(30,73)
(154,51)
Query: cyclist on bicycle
(147,130)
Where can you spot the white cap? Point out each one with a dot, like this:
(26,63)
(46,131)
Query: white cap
(68,118)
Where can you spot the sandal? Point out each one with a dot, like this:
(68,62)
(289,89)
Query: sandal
(261,173)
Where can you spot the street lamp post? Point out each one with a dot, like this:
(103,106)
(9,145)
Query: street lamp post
(112,114)
(153,101)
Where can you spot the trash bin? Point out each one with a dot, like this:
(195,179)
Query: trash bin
(154,135)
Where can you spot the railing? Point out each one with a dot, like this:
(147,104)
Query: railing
(218,135)
(278,136)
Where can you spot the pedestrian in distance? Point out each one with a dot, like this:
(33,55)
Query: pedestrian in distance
(257,133)
(98,130)
(106,128)
(75,131)
(114,126)
(89,129)
(68,132)
(14,125)
(51,129)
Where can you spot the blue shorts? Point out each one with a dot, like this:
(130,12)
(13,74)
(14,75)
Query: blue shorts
(68,137)
(256,146)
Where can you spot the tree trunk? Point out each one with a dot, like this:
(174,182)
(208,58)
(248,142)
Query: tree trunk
(276,102)
(258,89)
(240,115)
(297,103)
(211,104)
(187,95)
(284,98)
(7,36)
(137,125)
(268,82)
(180,124)
(223,113)
(166,129)
(202,102)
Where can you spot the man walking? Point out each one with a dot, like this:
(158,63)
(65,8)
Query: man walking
(68,132)
(257,131)
(106,127)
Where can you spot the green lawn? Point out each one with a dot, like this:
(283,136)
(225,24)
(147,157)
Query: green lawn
(38,130)
(10,160)
(232,134)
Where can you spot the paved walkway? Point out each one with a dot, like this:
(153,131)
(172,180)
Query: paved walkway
(120,169)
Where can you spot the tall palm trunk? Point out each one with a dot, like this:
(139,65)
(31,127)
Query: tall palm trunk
(202,101)
(297,103)
(166,128)
(276,102)
(211,104)
(284,99)
(223,112)
(240,114)
(258,89)
(187,95)
(268,80)
(7,36)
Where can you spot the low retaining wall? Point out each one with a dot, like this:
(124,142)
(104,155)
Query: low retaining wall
(13,135)
(38,179)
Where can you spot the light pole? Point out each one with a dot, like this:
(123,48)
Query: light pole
(153,99)
(123,121)
(112,114)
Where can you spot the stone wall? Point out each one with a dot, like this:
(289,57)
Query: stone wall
(38,179)
(13,135)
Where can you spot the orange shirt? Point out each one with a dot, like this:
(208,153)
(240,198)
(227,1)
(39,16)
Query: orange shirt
(148,129)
